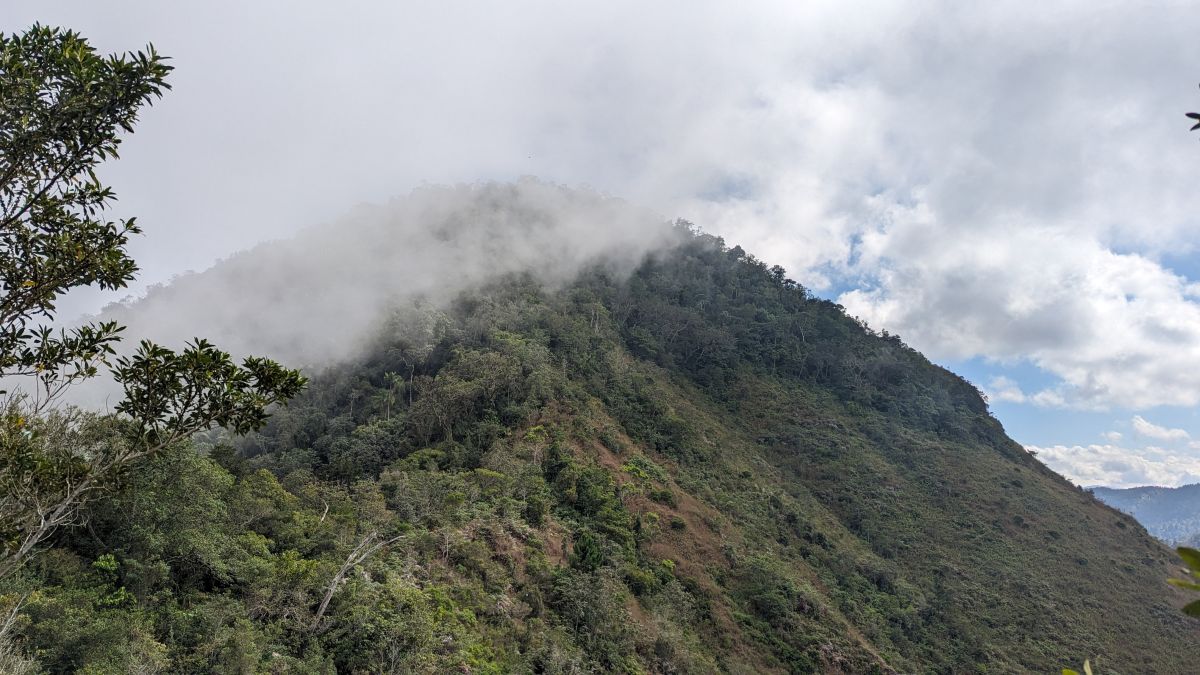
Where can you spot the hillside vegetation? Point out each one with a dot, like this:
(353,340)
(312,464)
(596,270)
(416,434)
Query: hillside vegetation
(696,467)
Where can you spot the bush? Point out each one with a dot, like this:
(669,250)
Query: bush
(663,496)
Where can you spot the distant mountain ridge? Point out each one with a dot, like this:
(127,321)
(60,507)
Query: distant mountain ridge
(1171,514)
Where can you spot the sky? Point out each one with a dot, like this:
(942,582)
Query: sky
(1008,186)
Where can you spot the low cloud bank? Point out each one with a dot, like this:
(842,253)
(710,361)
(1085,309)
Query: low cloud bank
(313,299)
(1121,467)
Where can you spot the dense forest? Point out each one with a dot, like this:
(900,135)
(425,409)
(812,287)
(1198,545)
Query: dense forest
(697,467)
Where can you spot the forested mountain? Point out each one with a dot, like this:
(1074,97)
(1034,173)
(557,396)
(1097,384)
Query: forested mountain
(685,465)
(1171,514)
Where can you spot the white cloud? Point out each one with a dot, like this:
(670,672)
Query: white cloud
(1149,430)
(1117,328)
(1116,466)
(1112,436)
(1001,388)
(996,190)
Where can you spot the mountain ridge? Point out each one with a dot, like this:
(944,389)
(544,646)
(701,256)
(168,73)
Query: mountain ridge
(687,464)
(1171,514)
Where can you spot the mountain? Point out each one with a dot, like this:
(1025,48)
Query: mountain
(662,458)
(1171,514)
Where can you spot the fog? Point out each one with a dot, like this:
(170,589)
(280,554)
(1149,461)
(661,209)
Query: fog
(313,299)
(1008,188)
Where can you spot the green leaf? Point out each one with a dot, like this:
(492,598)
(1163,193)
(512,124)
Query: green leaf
(1191,558)
(1184,583)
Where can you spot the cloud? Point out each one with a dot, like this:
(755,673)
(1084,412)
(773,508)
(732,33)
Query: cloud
(1112,436)
(1001,388)
(1118,329)
(316,298)
(960,175)
(320,297)
(1116,466)
(1149,430)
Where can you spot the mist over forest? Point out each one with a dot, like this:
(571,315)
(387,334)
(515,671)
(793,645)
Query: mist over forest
(320,294)
(861,359)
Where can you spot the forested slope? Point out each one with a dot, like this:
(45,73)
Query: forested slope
(697,467)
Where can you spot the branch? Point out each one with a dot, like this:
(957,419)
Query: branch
(12,616)
(365,549)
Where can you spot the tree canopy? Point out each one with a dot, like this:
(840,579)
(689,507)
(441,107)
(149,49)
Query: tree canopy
(63,109)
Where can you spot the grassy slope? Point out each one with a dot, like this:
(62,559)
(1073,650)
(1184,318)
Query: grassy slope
(960,555)
(943,548)
(941,555)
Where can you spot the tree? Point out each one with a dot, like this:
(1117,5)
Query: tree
(387,396)
(587,554)
(63,108)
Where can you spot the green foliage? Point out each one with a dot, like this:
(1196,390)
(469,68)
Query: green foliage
(172,394)
(445,503)
(591,607)
(1191,558)
(588,555)
(642,468)
(63,108)
(663,496)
